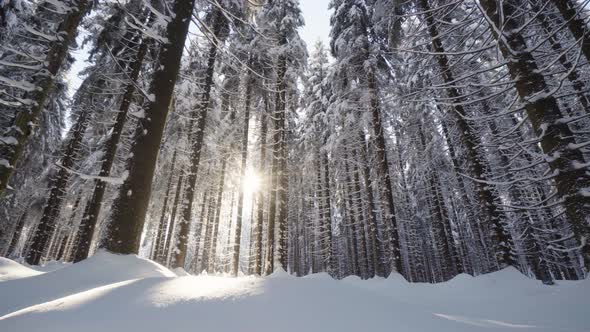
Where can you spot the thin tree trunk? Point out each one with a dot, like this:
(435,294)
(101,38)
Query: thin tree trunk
(260,210)
(238,230)
(215,225)
(17,232)
(199,230)
(364,269)
(283,214)
(160,235)
(169,240)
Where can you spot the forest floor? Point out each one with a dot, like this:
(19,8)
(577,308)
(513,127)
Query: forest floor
(126,293)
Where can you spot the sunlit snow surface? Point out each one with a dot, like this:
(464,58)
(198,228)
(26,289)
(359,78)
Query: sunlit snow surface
(126,293)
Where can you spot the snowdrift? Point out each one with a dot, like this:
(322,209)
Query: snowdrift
(12,270)
(99,270)
(127,293)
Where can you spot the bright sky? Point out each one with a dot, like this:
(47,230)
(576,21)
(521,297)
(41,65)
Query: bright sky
(317,21)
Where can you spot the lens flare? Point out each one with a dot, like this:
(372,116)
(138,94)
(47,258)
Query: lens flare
(251,182)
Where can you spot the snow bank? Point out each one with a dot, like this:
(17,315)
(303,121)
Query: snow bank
(149,299)
(50,266)
(101,269)
(10,270)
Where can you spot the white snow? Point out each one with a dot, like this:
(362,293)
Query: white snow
(10,270)
(5,163)
(127,293)
(9,140)
(99,270)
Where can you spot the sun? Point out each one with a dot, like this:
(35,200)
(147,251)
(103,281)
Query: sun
(251,182)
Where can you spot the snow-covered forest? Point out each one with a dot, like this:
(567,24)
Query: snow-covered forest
(173,164)
(428,138)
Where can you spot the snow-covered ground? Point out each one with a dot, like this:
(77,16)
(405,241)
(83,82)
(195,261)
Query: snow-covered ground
(127,293)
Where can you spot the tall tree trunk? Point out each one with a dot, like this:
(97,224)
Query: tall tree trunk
(72,239)
(556,138)
(196,138)
(471,141)
(327,203)
(130,208)
(574,75)
(260,209)
(351,220)
(199,230)
(15,137)
(275,172)
(373,227)
(441,222)
(475,226)
(516,196)
(46,226)
(161,230)
(169,243)
(283,182)
(92,210)
(357,200)
(238,230)
(17,232)
(383,170)
(208,230)
(573,15)
(216,219)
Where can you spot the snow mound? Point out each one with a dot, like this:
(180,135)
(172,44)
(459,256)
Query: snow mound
(279,273)
(50,266)
(147,298)
(99,270)
(180,272)
(10,270)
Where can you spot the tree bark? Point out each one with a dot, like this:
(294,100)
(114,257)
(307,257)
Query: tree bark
(260,209)
(17,233)
(574,73)
(196,137)
(92,210)
(130,208)
(373,227)
(275,172)
(161,231)
(217,216)
(471,141)
(169,239)
(383,170)
(572,15)
(46,226)
(556,138)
